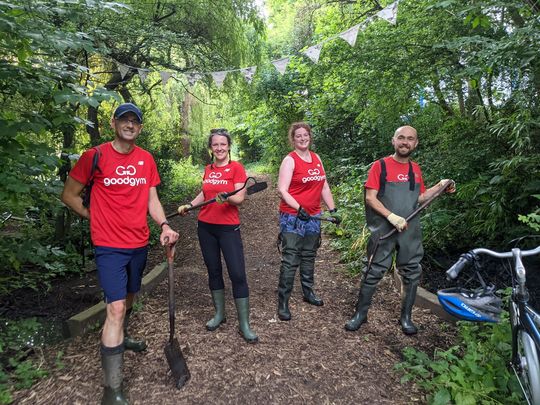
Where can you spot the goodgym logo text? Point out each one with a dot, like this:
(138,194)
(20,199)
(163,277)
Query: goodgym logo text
(125,176)
(314,175)
(214,178)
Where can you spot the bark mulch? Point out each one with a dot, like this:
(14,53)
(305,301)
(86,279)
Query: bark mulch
(310,359)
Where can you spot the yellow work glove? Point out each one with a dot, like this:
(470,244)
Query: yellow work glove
(451,188)
(399,222)
(221,197)
(183,209)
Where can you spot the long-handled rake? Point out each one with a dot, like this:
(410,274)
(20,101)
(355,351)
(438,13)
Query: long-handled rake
(254,188)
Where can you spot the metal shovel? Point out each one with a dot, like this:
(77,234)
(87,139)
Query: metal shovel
(174,355)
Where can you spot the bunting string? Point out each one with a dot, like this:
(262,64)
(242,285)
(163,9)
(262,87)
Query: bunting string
(389,14)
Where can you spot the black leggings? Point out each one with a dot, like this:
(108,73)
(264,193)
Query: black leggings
(215,239)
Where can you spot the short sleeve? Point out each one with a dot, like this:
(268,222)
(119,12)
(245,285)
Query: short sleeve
(374,176)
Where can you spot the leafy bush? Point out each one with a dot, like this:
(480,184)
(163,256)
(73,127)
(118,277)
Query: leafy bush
(471,372)
(181,181)
(17,368)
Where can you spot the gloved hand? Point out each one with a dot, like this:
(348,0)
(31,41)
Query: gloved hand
(221,197)
(451,188)
(183,209)
(336,216)
(399,222)
(302,214)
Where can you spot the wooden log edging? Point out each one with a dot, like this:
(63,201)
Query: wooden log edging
(94,316)
(426,300)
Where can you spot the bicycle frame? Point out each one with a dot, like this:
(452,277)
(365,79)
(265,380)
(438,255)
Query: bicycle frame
(524,321)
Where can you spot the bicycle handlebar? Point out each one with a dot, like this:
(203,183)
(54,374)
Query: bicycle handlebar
(467,258)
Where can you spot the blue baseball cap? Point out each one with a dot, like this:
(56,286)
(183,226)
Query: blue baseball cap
(128,107)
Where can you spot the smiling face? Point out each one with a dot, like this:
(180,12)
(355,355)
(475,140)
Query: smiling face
(404,141)
(219,145)
(301,139)
(127,127)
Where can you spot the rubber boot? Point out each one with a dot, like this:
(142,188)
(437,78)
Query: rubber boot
(362,306)
(130,343)
(218,298)
(407,303)
(290,260)
(112,361)
(242,307)
(307,268)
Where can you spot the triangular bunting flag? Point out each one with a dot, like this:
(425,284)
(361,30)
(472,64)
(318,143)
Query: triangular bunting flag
(165,76)
(123,69)
(219,77)
(249,73)
(193,78)
(281,64)
(313,52)
(350,35)
(142,74)
(389,13)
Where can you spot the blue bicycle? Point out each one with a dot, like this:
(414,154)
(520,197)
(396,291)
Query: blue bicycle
(482,305)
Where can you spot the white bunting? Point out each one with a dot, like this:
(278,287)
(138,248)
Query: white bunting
(313,52)
(165,76)
(123,69)
(281,64)
(193,78)
(350,35)
(249,73)
(219,77)
(142,74)
(389,13)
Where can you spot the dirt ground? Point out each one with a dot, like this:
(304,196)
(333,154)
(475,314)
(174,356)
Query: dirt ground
(310,359)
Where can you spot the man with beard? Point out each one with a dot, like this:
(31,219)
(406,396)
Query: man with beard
(393,190)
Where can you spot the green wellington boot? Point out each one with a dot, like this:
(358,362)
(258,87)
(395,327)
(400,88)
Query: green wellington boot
(112,361)
(362,306)
(218,298)
(130,343)
(242,307)
(407,303)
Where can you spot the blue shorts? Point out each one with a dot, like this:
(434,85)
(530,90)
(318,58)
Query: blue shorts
(120,271)
(290,223)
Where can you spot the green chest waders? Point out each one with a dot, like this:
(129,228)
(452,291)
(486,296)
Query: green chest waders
(401,200)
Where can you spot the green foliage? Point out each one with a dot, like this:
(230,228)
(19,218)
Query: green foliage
(184,181)
(17,369)
(533,219)
(474,371)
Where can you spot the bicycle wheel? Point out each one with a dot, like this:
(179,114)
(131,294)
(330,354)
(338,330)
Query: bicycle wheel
(530,369)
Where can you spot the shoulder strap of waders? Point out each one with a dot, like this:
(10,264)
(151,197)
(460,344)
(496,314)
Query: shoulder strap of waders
(411,177)
(382,178)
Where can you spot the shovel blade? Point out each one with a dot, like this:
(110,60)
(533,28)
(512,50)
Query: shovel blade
(255,188)
(177,363)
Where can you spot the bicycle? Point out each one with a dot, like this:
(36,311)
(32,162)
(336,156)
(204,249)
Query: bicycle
(482,305)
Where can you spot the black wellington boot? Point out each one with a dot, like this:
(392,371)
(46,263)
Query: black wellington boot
(362,306)
(307,268)
(242,307)
(130,343)
(407,303)
(218,298)
(290,260)
(112,361)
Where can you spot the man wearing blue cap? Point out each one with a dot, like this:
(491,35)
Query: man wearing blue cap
(123,193)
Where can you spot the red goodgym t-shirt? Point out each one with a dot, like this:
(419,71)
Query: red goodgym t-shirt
(396,172)
(119,198)
(216,180)
(306,184)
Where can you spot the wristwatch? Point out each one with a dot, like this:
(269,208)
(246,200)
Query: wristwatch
(164,223)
